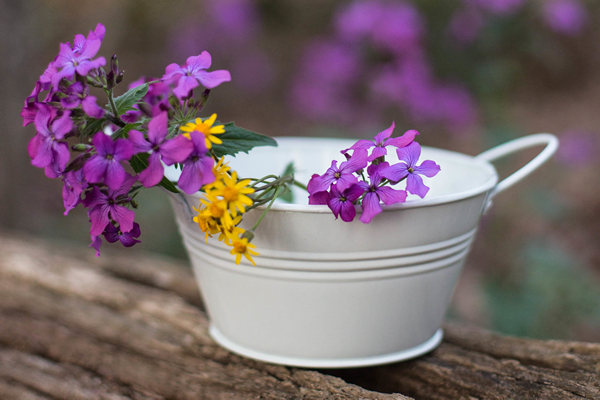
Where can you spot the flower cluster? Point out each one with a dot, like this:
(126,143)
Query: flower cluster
(345,186)
(122,147)
(221,211)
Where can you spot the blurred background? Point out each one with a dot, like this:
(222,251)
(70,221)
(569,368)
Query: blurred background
(468,74)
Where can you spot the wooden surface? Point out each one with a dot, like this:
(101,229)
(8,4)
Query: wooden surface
(73,326)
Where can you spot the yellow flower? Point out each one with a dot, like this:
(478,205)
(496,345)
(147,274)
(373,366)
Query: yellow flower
(242,247)
(229,235)
(234,192)
(219,170)
(207,223)
(205,127)
(217,209)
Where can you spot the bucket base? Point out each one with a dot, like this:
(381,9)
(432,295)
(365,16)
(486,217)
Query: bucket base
(413,352)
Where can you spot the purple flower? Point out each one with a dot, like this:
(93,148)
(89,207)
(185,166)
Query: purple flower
(382,140)
(565,16)
(342,176)
(375,193)
(96,243)
(105,165)
(78,59)
(80,41)
(399,29)
(102,205)
(194,72)
(197,168)
(357,19)
(127,239)
(409,169)
(30,109)
(75,183)
(46,149)
(342,203)
(171,151)
(78,94)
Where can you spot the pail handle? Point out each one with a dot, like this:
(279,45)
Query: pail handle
(513,146)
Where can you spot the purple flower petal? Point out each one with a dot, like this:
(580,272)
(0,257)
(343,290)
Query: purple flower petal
(44,155)
(391,196)
(370,207)
(96,243)
(91,108)
(184,85)
(139,142)
(428,168)
(176,150)
(115,174)
(34,144)
(70,101)
(348,211)
(356,162)
(355,191)
(154,173)
(319,198)
(95,169)
(191,178)
(104,144)
(172,72)
(202,61)
(87,65)
(62,125)
(381,136)
(213,79)
(377,152)
(323,182)
(395,173)
(361,144)
(404,140)
(415,185)
(123,216)
(410,154)
(99,219)
(123,149)
(158,128)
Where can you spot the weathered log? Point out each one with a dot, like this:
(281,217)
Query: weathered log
(73,326)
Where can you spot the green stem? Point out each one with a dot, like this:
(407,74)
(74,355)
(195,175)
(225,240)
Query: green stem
(267,209)
(111,100)
(300,185)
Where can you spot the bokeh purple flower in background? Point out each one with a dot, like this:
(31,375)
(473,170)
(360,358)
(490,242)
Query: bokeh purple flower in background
(578,148)
(376,59)
(568,17)
(230,30)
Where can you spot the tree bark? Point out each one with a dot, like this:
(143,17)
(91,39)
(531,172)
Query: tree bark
(73,326)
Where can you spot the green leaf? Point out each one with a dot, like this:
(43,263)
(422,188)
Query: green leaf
(139,162)
(288,195)
(126,101)
(236,139)
(92,126)
(124,131)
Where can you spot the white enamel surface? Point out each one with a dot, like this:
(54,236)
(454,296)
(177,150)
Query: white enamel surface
(326,293)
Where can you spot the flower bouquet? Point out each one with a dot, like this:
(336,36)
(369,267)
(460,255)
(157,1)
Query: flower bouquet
(155,123)
(323,293)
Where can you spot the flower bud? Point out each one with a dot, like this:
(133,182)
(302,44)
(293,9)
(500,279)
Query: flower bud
(114,65)
(81,147)
(120,77)
(249,234)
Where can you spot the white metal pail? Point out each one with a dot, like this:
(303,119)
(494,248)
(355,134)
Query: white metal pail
(330,294)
